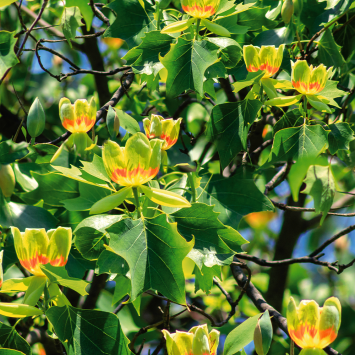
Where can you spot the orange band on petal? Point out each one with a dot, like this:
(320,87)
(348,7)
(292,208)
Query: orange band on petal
(199,11)
(32,264)
(80,124)
(60,261)
(137,176)
(168,141)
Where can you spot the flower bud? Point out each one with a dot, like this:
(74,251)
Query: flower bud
(7,180)
(298,6)
(263,334)
(112,122)
(287,11)
(36,119)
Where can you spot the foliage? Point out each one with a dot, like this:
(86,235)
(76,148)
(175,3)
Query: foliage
(169,168)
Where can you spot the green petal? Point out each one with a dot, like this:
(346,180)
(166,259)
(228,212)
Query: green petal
(200,345)
(331,314)
(59,246)
(184,342)
(301,72)
(138,152)
(251,58)
(66,110)
(113,157)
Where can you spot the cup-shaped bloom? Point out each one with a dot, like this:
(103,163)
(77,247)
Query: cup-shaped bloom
(200,8)
(195,342)
(266,58)
(135,164)
(79,117)
(309,80)
(36,247)
(165,129)
(311,326)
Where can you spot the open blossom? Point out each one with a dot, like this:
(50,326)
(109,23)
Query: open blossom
(200,8)
(197,341)
(309,80)
(36,247)
(312,327)
(136,163)
(266,58)
(165,129)
(79,117)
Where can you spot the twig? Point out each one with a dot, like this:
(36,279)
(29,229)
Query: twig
(121,305)
(333,239)
(278,178)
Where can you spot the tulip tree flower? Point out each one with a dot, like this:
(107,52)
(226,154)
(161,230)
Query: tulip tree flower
(312,327)
(165,129)
(78,119)
(199,10)
(266,59)
(36,247)
(195,342)
(309,81)
(133,166)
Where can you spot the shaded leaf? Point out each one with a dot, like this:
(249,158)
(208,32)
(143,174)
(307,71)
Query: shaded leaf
(340,136)
(71,20)
(8,58)
(9,338)
(329,51)
(10,152)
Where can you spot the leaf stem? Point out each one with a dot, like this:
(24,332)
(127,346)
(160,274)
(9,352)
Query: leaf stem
(158,12)
(136,197)
(197,28)
(33,140)
(192,185)
(305,105)
(292,348)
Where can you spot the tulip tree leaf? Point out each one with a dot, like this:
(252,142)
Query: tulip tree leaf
(204,277)
(88,331)
(320,185)
(8,58)
(85,10)
(145,57)
(298,142)
(233,197)
(263,334)
(71,20)
(255,19)
(154,251)
(60,276)
(131,22)
(91,235)
(96,168)
(291,118)
(52,189)
(241,336)
(111,263)
(331,90)
(230,23)
(25,216)
(329,51)
(340,136)
(10,152)
(88,196)
(229,126)
(186,63)
(9,338)
(215,244)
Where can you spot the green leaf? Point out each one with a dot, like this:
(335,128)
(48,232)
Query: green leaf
(215,28)
(11,352)
(230,50)
(64,189)
(9,338)
(89,195)
(234,197)
(230,23)
(251,79)
(255,19)
(16,285)
(299,142)
(35,290)
(88,331)
(77,265)
(204,278)
(8,58)
(60,276)
(276,37)
(111,263)
(112,201)
(291,118)
(241,336)
(340,136)
(331,90)
(123,287)
(18,310)
(186,63)
(145,57)
(70,21)
(263,334)
(215,244)
(131,22)
(91,236)
(229,126)
(85,10)
(318,104)
(329,52)
(127,122)
(330,3)
(25,216)
(10,152)
(320,185)
(96,168)
(154,251)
